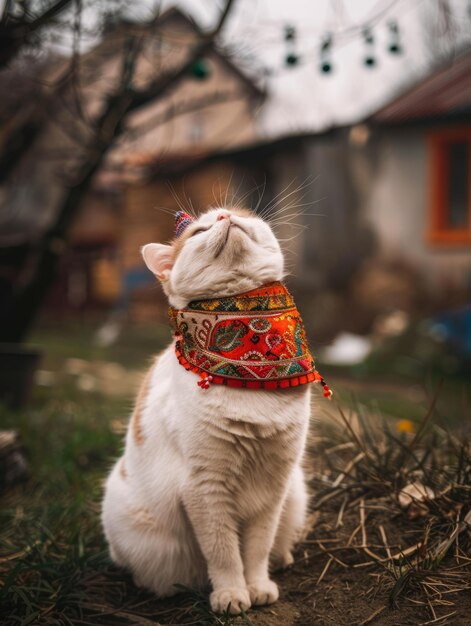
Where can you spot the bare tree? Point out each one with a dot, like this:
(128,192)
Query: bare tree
(21,304)
(19,22)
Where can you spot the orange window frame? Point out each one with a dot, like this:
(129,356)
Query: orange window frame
(439,231)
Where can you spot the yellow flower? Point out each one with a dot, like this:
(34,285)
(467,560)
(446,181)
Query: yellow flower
(405,426)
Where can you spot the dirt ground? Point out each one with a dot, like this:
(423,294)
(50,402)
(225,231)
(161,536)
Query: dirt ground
(334,589)
(365,560)
(349,596)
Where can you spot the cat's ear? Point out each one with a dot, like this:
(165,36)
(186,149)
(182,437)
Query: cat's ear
(159,259)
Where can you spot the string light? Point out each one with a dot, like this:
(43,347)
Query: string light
(326,64)
(201,70)
(291,58)
(395,44)
(369,40)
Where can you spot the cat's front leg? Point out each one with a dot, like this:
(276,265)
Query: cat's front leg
(216,530)
(257,541)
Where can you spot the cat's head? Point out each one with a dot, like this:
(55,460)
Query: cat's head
(223,252)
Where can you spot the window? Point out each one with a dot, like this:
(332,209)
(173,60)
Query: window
(450,219)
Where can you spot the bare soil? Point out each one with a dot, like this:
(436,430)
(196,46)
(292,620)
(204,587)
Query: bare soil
(329,585)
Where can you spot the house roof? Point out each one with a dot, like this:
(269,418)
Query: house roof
(443,94)
(124,27)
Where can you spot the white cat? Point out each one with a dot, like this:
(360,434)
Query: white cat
(210,486)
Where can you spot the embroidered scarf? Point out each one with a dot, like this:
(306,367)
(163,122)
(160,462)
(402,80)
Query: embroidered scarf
(253,340)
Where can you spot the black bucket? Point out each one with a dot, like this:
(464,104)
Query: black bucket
(17,368)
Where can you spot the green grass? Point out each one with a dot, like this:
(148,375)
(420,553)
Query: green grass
(418,554)
(54,566)
(51,522)
(401,375)
(132,349)
(54,563)
(398,380)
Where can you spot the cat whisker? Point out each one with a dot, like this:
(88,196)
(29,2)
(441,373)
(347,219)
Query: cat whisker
(279,198)
(164,209)
(189,203)
(291,221)
(237,201)
(260,195)
(298,205)
(285,189)
(289,216)
(292,232)
(280,213)
(217,200)
(288,239)
(228,186)
(179,203)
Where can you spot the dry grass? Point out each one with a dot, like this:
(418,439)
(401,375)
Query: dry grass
(367,560)
(417,552)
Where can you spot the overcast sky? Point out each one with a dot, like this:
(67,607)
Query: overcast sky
(305,99)
(302,98)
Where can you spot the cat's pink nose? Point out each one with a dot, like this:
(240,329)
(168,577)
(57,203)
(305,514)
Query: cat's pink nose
(223,216)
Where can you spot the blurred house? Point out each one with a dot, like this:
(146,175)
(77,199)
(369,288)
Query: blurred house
(419,197)
(212,109)
(373,217)
(211,112)
(395,194)
(383,219)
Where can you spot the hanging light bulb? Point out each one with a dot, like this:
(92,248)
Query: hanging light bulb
(326,48)
(369,60)
(290,33)
(291,58)
(201,70)
(394,44)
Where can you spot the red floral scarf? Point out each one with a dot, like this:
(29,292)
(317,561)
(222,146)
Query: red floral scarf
(253,340)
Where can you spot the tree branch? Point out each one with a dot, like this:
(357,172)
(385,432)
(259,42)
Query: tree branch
(15,32)
(49,14)
(161,84)
(22,306)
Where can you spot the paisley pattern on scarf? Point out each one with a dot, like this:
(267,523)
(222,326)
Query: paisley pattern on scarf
(253,340)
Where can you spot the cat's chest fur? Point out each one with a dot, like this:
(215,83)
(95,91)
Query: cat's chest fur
(243,440)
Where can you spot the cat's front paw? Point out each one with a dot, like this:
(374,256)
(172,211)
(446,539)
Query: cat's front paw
(263,592)
(237,597)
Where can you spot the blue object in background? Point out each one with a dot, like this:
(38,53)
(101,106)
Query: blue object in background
(131,280)
(455,328)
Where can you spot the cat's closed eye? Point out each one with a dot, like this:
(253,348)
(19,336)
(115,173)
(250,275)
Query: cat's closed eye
(198,231)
